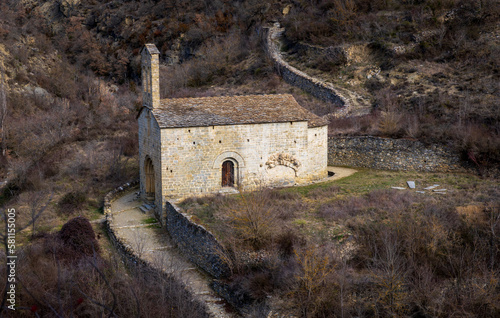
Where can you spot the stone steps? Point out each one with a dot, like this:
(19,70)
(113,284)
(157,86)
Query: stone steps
(146,208)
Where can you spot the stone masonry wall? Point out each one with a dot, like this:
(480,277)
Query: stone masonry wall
(391,154)
(318,151)
(149,146)
(192,157)
(293,76)
(197,243)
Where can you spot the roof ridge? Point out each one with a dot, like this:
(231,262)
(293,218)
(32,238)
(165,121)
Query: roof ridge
(227,96)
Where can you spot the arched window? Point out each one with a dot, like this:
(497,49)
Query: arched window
(228,173)
(150,179)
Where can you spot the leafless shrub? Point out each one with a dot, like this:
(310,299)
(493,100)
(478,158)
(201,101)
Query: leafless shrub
(314,271)
(252,218)
(139,242)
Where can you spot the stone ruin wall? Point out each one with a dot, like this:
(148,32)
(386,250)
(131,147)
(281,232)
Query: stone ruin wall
(391,154)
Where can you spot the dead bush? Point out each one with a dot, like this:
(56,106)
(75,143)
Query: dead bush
(311,278)
(289,241)
(253,219)
(78,234)
(94,286)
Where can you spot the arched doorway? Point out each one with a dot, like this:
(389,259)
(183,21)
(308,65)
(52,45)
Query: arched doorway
(150,179)
(228,173)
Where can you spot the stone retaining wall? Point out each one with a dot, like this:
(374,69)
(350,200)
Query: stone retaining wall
(197,243)
(391,154)
(123,248)
(293,76)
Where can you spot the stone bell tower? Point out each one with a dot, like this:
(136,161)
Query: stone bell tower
(150,62)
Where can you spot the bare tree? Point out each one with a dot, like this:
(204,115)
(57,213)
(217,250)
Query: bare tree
(4,236)
(253,218)
(139,242)
(35,202)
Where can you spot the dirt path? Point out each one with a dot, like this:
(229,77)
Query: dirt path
(341,172)
(153,245)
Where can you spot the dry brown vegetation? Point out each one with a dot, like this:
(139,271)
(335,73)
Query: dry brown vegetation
(355,248)
(442,84)
(65,275)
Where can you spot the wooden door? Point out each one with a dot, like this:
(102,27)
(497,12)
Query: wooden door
(227,174)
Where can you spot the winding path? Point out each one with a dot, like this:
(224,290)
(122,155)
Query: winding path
(353,103)
(152,244)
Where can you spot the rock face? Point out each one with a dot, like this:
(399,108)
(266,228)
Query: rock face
(391,154)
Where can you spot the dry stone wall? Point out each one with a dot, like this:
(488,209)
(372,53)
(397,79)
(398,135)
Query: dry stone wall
(391,154)
(295,77)
(123,248)
(197,243)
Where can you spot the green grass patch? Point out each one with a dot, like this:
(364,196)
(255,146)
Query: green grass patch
(150,220)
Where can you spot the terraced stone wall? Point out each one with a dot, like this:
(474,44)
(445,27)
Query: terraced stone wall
(391,154)
(293,76)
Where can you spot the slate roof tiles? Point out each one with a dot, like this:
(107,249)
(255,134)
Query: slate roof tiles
(232,110)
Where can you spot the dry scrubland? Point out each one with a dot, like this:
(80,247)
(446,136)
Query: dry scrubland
(430,68)
(356,247)
(68,100)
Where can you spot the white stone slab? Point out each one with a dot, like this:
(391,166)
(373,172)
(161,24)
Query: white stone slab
(411,184)
(439,190)
(432,187)
(420,191)
(399,188)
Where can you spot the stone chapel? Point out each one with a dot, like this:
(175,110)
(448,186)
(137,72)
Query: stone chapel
(198,146)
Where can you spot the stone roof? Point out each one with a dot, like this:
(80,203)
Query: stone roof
(232,110)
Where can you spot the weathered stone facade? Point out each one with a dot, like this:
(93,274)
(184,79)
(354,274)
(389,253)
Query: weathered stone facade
(192,157)
(391,154)
(267,140)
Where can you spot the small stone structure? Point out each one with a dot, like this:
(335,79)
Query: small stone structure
(391,154)
(197,146)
